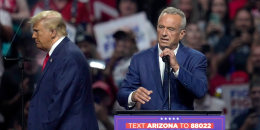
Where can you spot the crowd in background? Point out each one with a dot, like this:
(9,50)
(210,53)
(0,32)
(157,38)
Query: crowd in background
(226,31)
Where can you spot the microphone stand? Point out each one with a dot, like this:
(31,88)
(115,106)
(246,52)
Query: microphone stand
(166,60)
(167,66)
(21,67)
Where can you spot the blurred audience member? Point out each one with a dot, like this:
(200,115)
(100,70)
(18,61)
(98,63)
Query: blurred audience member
(234,51)
(203,7)
(153,8)
(88,46)
(72,11)
(127,7)
(103,98)
(256,13)
(17,8)
(253,63)
(10,90)
(5,34)
(250,119)
(214,79)
(31,3)
(235,5)
(103,89)
(5,26)
(124,49)
(194,37)
(132,7)
(217,21)
(189,7)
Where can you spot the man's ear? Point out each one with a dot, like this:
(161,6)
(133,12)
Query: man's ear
(53,33)
(182,34)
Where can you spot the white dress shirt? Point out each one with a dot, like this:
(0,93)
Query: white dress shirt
(55,45)
(162,67)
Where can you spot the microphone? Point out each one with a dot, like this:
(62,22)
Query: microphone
(166,59)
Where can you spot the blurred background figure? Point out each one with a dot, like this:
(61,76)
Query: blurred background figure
(10,91)
(253,63)
(255,10)
(189,7)
(235,49)
(88,46)
(103,98)
(5,26)
(250,119)
(18,9)
(217,21)
(194,37)
(73,11)
(103,89)
(132,7)
(203,7)
(5,34)
(125,47)
(127,7)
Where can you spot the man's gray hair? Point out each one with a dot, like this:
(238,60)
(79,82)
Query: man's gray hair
(172,10)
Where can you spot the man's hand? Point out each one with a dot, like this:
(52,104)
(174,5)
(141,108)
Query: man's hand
(141,95)
(173,61)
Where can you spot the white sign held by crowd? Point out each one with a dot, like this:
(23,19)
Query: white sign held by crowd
(138,23)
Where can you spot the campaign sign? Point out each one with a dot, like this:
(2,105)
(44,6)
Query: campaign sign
(138,24)
(236,99)
(169,122)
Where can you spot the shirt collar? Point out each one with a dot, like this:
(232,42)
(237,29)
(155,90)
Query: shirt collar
(55,45)
(175,50)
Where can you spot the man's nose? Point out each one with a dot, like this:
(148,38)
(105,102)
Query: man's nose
(164,33)
(33,36)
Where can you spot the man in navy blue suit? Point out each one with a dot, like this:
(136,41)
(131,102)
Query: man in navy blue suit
(144,82)
(62,99)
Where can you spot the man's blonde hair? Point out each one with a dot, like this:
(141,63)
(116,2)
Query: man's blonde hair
(52,20)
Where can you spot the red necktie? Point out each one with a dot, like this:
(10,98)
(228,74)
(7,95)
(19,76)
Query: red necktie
(45,61)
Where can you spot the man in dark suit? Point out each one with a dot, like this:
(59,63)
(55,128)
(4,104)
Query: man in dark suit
(144,82)
(62,99)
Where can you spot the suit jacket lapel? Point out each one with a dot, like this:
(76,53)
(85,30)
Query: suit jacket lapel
(42,74)
(181,56)
(157,74)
